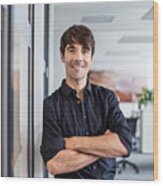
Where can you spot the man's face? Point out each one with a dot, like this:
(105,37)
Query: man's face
(77,60)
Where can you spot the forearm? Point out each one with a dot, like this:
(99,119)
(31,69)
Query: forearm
(69,161)
(107,145)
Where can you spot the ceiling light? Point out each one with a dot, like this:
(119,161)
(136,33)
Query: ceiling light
(97,19)
(136,39)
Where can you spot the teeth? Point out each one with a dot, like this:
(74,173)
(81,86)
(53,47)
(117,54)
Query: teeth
(77,66)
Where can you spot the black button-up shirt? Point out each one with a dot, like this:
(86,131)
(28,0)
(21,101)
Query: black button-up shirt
(65,115)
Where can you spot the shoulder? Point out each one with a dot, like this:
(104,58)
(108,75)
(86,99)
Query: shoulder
(52,99)
(105,93)
(102,90)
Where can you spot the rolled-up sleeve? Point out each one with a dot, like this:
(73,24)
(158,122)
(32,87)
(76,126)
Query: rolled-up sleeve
(52,139)
(117,123)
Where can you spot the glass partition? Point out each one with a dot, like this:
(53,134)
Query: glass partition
(25,54)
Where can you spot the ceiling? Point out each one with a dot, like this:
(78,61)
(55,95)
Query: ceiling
(123,32)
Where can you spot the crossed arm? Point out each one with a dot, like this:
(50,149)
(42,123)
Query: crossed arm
(82,151)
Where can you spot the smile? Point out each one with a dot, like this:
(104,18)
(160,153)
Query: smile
(77,66)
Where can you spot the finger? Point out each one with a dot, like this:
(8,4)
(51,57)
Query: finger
(107,131)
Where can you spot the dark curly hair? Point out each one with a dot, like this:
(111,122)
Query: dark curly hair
(77,34)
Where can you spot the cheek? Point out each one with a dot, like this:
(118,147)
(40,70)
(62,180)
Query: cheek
(89,63)
(66,62)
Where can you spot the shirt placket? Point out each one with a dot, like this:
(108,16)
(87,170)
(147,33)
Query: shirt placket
(86,129)
(84,117)
(87,133)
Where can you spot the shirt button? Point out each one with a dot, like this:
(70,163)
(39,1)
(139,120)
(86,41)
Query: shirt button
(74,92)
(87,133)
(94,167)
(78,102)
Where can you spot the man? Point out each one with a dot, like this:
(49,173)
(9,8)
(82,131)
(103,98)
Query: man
(84,129)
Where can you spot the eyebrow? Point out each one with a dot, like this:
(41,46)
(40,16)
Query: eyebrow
(71,46)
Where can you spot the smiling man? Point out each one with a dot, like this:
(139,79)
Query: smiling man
(84,129)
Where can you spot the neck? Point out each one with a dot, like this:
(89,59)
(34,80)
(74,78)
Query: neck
(78,86)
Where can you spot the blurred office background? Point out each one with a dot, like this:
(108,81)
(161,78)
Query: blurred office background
(31,69)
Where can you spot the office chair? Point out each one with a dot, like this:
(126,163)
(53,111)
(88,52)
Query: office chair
(121,165)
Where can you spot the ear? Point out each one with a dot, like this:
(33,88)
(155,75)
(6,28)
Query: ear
(92,58)
(62,58)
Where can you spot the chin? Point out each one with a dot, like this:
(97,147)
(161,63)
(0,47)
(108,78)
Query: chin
(78,78)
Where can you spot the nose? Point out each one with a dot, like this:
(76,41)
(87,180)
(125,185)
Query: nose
(78,56)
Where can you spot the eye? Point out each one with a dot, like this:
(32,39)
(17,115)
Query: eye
(86,51)
(71,50)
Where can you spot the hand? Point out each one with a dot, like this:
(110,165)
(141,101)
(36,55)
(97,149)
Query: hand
(107,132)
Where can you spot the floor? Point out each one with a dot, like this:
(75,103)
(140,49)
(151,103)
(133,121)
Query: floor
(145,164)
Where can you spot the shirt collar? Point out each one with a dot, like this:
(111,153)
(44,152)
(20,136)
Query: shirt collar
(67,91)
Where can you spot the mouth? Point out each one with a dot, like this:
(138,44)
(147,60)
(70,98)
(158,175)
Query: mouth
(77,66)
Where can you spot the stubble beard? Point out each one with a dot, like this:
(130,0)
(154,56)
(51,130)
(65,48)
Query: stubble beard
(77,79)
